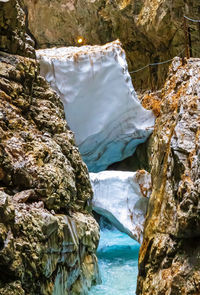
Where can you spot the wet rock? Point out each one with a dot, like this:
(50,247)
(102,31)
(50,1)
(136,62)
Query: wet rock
(40,252)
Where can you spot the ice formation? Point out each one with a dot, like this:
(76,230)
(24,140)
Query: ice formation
(100,103)
(122,197)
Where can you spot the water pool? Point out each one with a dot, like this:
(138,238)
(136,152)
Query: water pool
(118,263)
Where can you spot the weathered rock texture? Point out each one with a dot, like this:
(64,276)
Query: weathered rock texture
(13,29)
(150,31)
(169,260)
(48,238)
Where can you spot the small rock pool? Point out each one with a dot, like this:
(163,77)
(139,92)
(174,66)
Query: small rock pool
(118,263)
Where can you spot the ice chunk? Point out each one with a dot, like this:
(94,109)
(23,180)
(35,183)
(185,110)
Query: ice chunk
(122,197)
(100,103)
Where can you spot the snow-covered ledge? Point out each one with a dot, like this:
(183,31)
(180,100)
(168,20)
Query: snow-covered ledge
(100,103)
(122,197)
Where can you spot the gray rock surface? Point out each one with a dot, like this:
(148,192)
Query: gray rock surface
(169,257)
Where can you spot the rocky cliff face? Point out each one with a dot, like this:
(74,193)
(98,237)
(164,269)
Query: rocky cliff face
(150,31)
(48,238)
(13,29)
(169,257)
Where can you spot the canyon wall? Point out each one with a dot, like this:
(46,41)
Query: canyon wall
(150,31)
(13,29)
(48,238)
(169,256)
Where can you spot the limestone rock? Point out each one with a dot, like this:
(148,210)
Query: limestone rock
(122,197)
(13,29)
(41,170)
(100,103)
(48,237)
(169,257)
(37,149)
(150,31)
(45,253)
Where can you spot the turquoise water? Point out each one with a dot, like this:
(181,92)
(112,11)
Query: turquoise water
(118,261)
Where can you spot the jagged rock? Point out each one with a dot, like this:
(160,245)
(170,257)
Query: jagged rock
(45,253)
(150,31)
(169,257)
(122,197)
(37,149)
(48,237)
(41,170)
(100,103)
(13,29)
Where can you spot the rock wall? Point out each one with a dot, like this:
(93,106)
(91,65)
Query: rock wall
(150,31)
(13,29)
(48,237)
(169,257)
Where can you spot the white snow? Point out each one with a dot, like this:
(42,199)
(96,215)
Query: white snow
(101,106)
(122,197)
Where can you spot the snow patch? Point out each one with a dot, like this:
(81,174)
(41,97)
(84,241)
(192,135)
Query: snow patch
(122,197)
(101,105)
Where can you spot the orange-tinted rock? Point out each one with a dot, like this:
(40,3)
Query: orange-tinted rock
(169,257)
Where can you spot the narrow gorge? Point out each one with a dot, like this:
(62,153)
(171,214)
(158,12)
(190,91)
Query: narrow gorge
(106,116)
(99,147)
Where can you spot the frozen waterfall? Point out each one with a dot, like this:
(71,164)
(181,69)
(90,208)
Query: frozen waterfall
(122,197)
(100,103)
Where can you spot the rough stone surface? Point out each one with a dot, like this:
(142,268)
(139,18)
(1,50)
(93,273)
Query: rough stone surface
(150,30)
(48,237)
(43,252)
(43,181)
(13,29)
(169,257)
